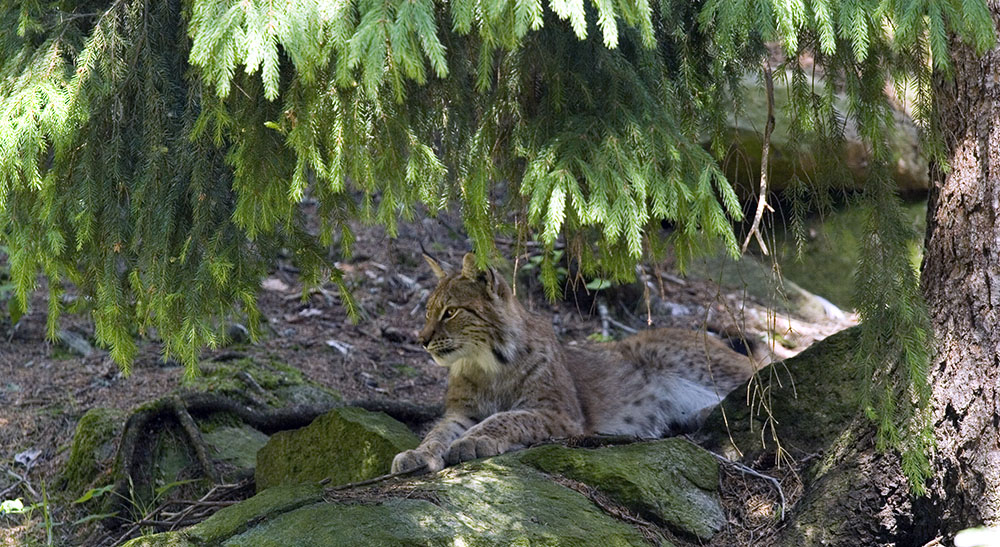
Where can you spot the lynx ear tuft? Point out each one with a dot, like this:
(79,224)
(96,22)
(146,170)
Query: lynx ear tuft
(435,267)
(469,268)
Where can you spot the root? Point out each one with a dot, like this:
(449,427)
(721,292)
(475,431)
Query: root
(134,458)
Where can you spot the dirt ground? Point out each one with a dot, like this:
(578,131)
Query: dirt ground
(46,387)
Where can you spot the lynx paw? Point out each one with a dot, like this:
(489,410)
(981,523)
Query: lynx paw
(471,448)
(413,459)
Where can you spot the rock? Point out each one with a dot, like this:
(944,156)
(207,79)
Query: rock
(790,158)
(159,450)
(237,334)
(236,446)
(75,342)
(493,502)
(234,519)
(812,396)
(345,445)
(760,282)
(825,260)
(671,482)
(92,450)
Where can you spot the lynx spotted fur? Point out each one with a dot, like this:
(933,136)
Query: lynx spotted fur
(511,384)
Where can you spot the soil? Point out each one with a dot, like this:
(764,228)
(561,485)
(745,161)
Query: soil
(45,387)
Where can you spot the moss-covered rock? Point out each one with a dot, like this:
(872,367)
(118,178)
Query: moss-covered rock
(274,384)
(491,502)
(811,398)
(671,482)
(236,446)
(790,157)
(156,454)
(344,445)
(504,502)
(93,448)
(235,519)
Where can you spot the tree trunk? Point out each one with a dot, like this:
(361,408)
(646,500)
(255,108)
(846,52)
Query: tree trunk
(857,495)
(961,282)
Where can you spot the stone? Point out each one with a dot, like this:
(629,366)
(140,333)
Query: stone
(345,445)
(92,449)
(492,502)
(671,482)
(237,446)
(812,397)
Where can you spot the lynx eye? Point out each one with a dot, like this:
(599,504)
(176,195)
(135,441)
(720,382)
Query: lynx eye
(450,312)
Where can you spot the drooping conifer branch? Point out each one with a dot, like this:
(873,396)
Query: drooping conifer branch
(154,154)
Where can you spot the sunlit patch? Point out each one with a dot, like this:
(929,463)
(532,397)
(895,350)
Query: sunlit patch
(760,509)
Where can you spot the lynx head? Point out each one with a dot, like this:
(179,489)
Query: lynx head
(472,316)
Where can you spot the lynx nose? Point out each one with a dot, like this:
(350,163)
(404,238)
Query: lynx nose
(425,335)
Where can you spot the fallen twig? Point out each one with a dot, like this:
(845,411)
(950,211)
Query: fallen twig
(380,478)
(22,480)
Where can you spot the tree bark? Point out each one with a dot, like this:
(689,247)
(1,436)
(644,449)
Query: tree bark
(961,282)
(858,496)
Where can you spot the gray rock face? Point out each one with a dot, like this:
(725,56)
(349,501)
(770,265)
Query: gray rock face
(790,158)
(812,396)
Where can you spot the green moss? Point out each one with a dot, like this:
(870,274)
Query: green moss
(812,397)
(494,502)
(672,482)
(282,385)
(345,445)
(504,502)
(396,522)
(92,449)
(166,539)
(234,519)
(271,503)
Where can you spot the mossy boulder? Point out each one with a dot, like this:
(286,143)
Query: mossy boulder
(234,519)
(491,502)
(236,446)
(345,445)
(93,448)
(671,482)
(155,451)
(811,398)
(790,157)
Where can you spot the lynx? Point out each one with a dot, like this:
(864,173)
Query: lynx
(511,384)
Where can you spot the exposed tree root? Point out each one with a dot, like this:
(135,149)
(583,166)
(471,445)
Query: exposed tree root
(134,459)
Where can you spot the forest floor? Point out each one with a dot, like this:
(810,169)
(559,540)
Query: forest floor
(46,387)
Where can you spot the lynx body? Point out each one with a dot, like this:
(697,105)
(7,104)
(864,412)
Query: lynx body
(511,383)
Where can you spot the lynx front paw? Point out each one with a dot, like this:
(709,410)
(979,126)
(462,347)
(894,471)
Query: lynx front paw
(471,448)
(414,459)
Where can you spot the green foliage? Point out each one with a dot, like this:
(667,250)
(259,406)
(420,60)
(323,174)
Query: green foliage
(154,154)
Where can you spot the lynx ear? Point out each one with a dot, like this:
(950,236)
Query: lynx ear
(435,267)
(469,268)
(489,276)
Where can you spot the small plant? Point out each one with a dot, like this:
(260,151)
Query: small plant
(17,507)
(13,507)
